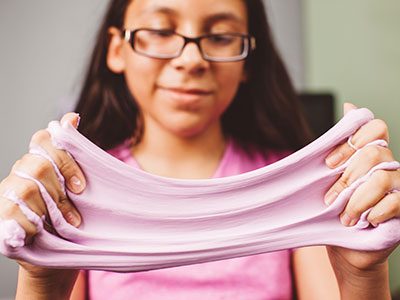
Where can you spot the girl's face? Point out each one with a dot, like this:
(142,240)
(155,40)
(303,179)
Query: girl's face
(185,95)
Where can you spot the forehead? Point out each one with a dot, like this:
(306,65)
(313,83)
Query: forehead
(189,10)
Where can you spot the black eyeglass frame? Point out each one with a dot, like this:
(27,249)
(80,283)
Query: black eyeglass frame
(250,44)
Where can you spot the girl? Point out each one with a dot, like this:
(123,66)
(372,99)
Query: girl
(196,89)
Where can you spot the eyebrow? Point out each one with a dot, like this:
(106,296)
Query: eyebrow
(209,20)
(226,16)
(158,9)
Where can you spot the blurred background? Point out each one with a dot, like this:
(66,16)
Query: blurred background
(347,48)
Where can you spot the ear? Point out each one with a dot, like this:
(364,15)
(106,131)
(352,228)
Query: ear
(115,58)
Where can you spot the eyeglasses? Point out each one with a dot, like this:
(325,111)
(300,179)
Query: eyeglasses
(167,44)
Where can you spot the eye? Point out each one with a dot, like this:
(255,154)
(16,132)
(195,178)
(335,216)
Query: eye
(221,39)
(162,33)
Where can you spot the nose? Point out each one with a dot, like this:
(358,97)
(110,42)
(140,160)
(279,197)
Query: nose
(191,59)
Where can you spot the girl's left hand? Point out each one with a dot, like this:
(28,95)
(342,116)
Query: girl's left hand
(371,194)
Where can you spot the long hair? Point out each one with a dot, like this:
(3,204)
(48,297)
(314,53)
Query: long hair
(265,112)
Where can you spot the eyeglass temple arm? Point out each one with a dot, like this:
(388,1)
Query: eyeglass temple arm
(252,43)
(127,35)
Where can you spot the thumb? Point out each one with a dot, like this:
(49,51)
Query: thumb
(72,118)
(347,106)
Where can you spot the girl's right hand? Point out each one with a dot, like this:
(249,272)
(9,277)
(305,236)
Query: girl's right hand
(27,190)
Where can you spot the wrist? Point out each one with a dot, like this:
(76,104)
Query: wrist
(55,284)
(371,283)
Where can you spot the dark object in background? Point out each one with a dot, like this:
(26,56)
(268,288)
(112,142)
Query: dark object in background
(396,295)
(319,111)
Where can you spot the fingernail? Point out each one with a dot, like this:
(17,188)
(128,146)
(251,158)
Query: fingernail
(353,222)
(375,218)
(335,159)
(330,197)
(78,120)
(72,218)
(345,219)
(76,183)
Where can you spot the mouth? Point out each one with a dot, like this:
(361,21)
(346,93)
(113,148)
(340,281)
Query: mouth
(192,98)
(187,91)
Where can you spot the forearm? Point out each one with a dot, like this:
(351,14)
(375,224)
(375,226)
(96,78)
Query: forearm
(365,284)
(58,286)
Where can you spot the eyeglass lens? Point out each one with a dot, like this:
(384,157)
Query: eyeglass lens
(169,44)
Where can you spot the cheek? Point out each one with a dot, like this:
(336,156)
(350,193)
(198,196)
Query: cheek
(140,75)
(229,80)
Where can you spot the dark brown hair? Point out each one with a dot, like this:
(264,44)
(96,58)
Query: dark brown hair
(264,114)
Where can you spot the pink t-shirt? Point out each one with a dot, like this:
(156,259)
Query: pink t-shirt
(263,276)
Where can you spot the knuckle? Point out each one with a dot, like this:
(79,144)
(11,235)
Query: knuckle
(393,207)
(343,182)
(16,165)
(30,228)
(63,204)
(346,150)
(387,153)
(29,191)
(40,136)
(64,165)
(354,210)
(42,169)
(382,179)
(394,203)
(27,157)
(372,153)
(381,126)
(5,181)
(67,166)
(10,210)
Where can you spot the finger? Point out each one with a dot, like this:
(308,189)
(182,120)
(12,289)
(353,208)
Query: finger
(367,158)
(75,180)
(373,130)
(339,155)
(387,208)
(9,210)
(42,170)
(369,194)
(72,118)
(26,190)
(347,106)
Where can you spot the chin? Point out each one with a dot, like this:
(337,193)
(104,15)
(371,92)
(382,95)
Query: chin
(189,125)
(188,130)
(188,133)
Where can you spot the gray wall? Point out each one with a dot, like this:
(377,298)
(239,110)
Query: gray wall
(286,19)
(44,48)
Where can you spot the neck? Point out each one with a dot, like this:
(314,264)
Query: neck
(164,153)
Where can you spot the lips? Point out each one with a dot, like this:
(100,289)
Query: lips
(188,91)
(187,98)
